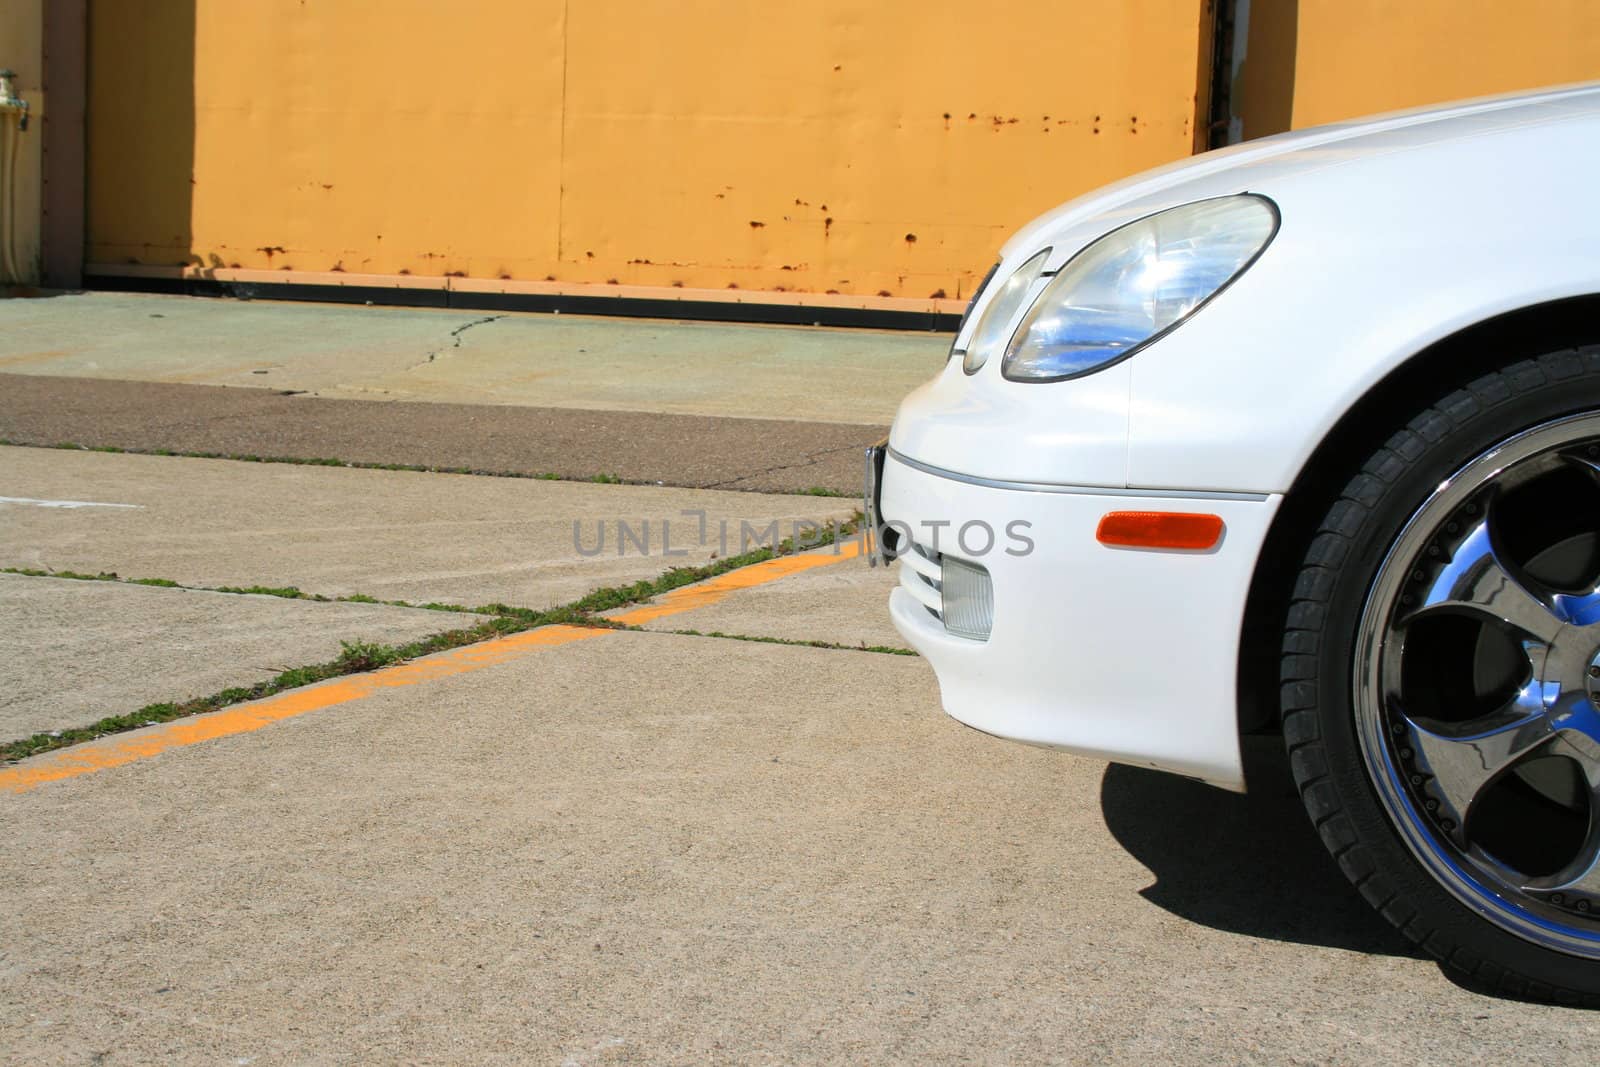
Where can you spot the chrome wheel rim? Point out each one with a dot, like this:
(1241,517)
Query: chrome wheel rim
(1477,684)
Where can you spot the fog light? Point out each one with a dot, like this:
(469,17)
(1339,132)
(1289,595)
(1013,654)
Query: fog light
(968,599)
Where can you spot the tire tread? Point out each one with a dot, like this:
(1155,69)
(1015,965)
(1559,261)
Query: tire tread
(1308,612)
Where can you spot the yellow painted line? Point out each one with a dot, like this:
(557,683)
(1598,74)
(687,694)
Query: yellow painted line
(704,594)
(121,749)
(126,748)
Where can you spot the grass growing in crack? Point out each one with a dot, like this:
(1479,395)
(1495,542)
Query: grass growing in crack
(354,658)
(886,650)
(639,592)
(417,468)
(598,601)
(282,592)
(298,461)
(360,656)
(103,576)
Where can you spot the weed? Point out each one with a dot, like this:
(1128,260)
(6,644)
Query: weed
(360,656)
(886,650)
(286,592)
(354,658)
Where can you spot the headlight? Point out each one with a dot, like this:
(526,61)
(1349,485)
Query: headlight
(1136,283)
(966,312)
(990,333)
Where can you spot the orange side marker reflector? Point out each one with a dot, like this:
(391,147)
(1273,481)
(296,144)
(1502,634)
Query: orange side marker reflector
(1159,529)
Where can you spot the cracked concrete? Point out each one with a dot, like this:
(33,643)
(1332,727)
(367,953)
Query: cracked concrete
(394,535)
(807,462)
(684,404)
(656,849)
(636,847)
(95,649)
(548,361)
(844,604)
(455,342)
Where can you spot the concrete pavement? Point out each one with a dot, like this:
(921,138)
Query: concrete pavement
(582,845)
(765,455)
(553,361)
(393,535)
(724,852)
(776,408)
(843,605)
(770,408)
(95,649)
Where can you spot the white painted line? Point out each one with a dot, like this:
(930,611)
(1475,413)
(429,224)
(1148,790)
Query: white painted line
(62,503)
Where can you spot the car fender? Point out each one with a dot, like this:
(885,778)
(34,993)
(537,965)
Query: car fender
(1240,397)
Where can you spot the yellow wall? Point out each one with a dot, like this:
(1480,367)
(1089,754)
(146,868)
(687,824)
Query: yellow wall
(1315,61)
(22,50)
(884,147)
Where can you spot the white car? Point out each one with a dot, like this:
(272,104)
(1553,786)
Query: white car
(1303,430)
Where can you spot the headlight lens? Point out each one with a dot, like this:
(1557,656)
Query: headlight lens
(966,312)
(990,334)
(1136,283)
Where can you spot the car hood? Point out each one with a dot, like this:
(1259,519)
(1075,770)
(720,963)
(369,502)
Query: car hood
(1257,165)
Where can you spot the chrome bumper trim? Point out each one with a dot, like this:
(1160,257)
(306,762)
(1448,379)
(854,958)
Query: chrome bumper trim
(1072,490)
(871,511)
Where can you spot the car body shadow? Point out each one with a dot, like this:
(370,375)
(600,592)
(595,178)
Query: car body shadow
(1248,864)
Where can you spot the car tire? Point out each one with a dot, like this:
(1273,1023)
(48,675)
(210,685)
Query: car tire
(1441,673)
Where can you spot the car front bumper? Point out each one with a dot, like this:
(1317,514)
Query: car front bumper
(1129,655)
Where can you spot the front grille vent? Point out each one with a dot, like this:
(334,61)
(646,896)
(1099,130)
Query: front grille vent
(922,575)
(958,593)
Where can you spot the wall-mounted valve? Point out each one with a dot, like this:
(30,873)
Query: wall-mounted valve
(10,101)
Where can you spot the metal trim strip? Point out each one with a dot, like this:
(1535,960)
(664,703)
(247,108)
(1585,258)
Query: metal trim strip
(1074,490)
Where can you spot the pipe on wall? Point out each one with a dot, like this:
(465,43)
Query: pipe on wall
(13,123)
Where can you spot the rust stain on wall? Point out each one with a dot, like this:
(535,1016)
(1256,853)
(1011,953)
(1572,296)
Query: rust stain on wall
(696,150)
